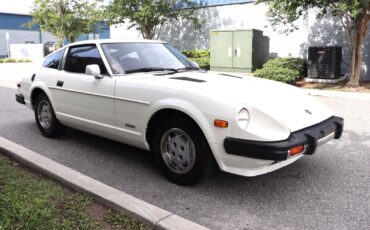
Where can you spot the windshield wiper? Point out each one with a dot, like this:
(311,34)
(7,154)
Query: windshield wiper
(150,69)
(187,68)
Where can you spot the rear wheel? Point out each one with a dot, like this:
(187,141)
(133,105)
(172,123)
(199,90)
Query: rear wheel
(45,117)
(182,152)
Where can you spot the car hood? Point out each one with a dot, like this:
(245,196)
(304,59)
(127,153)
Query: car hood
(286,104)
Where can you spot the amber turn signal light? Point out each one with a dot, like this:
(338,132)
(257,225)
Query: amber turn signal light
(296,150)
(221,123)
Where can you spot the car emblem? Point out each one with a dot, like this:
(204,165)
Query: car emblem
(308,111)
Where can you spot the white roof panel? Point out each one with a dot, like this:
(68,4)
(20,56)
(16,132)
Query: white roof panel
(100,41)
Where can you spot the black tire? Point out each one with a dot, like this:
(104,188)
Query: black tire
(204,164)
(55,128)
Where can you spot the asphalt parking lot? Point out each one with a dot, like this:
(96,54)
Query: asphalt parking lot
(329,190)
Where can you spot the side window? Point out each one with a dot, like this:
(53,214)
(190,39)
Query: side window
(53,60)
(80,56)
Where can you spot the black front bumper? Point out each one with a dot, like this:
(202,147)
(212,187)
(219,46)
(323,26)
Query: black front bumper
(279,150)
(20,98)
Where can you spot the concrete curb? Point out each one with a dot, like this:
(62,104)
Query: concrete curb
(337,94)
(154,216)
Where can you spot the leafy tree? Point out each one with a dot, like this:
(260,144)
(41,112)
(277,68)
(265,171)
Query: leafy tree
(149,15)
(354,15)
(66,19)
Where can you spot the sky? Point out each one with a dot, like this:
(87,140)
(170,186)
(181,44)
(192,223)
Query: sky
(16,6)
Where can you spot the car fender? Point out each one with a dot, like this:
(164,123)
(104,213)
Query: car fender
(41,85)
(193,112)
(185,107)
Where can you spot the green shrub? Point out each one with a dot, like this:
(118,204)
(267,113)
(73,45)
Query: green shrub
(9,60)
(203,62)
(285,75)
(196,53)
(298,64)
(201,57)
(24,60)
(13,60)
(287,70)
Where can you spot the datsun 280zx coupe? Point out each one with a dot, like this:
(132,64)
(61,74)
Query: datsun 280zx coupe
(147,94)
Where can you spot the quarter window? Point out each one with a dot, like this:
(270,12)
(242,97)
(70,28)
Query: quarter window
(53,60)
(80,56)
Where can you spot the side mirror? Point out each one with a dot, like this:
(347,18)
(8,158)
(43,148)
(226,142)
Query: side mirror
(93,70)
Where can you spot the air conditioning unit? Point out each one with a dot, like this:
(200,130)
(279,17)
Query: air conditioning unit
(324,62)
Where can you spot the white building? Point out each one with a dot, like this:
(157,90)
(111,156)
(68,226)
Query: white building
(228,14)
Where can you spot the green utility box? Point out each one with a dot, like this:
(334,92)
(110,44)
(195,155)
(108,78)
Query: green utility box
(238,50)
(265,49)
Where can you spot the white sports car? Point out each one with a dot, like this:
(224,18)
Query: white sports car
(147,94)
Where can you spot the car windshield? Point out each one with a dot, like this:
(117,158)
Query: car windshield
(131,57)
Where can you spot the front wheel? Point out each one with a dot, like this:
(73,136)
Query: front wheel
(182,152)
(45,117)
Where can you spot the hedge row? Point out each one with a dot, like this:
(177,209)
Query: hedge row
(287,70)
(202,57)
(13,60)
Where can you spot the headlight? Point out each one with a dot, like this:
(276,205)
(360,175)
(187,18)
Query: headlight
(243,118)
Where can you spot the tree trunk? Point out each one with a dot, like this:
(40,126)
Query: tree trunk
(149,34)
(147,31)
(353,60)
(356,60)
(146,34)
(59,43)
(356,53)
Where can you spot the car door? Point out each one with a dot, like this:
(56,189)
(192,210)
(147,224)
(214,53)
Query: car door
(132,97)
(83,101)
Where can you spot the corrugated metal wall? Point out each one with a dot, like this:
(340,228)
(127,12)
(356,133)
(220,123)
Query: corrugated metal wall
(15,22)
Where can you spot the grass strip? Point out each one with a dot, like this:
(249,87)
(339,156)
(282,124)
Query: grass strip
(31,201)
(13,60)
